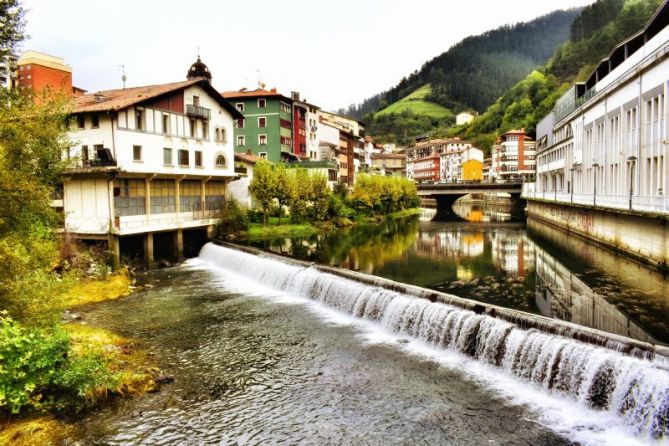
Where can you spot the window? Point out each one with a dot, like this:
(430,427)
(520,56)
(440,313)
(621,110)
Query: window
(190,196)
(84,154)
(137,153)
(220,161)
(217,134)
(240,123)
(285,123)
(196,101)
(191,124)
(95,121)
(241,140)
(263,155)
(285,107)
(81,121)
(183,158)
(163,196)
(224,136)
(139,119)
(198,158)
(262,140)
(215,194)
(205,129)
(262,122)
(262,103)
(167,156)
(166,123)
(240,106)
(129,197)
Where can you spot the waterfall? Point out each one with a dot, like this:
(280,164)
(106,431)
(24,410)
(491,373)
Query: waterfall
(633,389)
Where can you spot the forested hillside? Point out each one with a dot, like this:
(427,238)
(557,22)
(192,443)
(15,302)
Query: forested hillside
(594,33)
(476,71)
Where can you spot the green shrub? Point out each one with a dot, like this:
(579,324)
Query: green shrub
(39,371)
(233,217)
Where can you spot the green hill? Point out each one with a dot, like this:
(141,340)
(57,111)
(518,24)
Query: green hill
(416,104)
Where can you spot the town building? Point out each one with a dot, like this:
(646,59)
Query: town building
(464,117)
(390,164)
(8,75)
(605,142)
(603,164)
(513,157)
(150,165)
(351,144)
(471,164)
(427,169)
(44,73)
(267,124)
(448,150)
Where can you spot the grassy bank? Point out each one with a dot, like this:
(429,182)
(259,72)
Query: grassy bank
(132,368)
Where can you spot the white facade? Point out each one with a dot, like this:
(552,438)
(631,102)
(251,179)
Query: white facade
(611,149)
(513,157)
(165,173)
(463,118)
(451,166)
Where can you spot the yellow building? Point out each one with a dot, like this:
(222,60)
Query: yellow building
(472,164)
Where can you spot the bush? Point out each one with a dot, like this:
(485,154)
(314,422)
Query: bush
(233,217)
(39,371)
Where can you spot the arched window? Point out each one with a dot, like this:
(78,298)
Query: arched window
(220,161)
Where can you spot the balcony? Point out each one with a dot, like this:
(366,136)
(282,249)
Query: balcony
(319,164)
(198,112)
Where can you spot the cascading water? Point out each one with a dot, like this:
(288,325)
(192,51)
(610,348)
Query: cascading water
(633,389)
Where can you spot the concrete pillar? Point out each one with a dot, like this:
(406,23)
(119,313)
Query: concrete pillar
(177,198)
(211,230)
(148,248)
(114,247)
(179,244)
(147,196)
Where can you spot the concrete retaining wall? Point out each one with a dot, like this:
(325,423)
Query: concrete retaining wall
(644,237)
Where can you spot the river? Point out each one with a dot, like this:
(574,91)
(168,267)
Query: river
(255,364)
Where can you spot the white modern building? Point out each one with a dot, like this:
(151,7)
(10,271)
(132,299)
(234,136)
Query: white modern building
(605,143)
(151,165)
(464,118)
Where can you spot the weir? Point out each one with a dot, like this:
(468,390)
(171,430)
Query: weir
(627,378)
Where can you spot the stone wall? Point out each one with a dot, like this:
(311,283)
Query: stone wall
(642,236)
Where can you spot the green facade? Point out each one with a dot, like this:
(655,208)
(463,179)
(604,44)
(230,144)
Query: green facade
(273,114)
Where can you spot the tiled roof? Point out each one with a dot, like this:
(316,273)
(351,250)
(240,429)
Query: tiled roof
(125,97)
(258,93)
(247,158)
(388,156)
(113,100)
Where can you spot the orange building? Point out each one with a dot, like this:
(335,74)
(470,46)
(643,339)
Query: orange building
(40,71)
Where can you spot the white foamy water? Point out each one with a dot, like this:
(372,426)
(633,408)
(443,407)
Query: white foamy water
(590,394)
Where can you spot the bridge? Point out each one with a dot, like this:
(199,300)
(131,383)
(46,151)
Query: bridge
(446,194)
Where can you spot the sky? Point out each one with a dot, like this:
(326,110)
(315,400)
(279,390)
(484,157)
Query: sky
(333,53)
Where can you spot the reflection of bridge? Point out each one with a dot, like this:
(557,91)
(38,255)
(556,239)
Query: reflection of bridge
(447,193)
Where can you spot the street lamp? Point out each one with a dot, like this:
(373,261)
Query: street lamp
(595,166)
(571,186)
(631,159)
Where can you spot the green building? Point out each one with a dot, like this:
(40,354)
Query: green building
(267,128)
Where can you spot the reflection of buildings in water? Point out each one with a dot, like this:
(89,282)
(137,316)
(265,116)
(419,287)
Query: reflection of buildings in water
(562,295)
(452,243)
(483,214)
(513,252)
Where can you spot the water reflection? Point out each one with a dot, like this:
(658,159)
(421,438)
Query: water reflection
(535,268)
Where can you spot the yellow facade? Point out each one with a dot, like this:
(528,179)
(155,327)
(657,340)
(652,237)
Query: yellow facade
(472,170)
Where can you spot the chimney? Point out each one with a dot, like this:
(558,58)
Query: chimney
(99,97)
(273,90)
(295,95)
(248,152)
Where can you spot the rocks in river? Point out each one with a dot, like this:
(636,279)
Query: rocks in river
(69,316)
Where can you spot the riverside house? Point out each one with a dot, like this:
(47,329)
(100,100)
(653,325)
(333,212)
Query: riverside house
(151,165)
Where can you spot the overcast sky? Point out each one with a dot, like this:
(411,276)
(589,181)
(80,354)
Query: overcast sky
(334,53)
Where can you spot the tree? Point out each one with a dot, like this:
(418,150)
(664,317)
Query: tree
(263,187)
(12,25)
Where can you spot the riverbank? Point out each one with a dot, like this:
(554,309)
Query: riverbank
(258,231)
(133,368)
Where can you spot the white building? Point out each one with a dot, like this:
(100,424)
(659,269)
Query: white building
(449,151)
(513,157)
(464,118)
(606,139)
(151,163)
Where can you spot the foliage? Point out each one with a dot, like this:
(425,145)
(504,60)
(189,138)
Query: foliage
(232,217)
(40,371)
(417,104)
(477,70)
(403,128)
(12,26)
(305,193)
(378,195)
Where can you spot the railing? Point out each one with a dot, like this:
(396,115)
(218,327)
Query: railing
(641,203)
(324,164)
(198,112)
